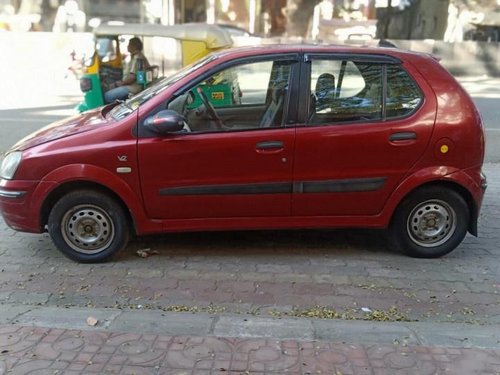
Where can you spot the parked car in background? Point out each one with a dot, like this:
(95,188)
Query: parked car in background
(268,137)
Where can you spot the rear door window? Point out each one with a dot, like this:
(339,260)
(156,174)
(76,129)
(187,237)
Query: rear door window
(343,90)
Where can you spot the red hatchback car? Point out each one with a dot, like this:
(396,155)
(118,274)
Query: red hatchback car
(261,138)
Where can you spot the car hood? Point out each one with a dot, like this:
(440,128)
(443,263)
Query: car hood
(69,126)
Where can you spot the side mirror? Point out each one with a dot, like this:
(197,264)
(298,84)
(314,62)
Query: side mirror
(164,122)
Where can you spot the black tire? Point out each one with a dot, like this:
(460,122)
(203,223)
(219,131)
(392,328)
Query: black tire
(429,223)
(88,226)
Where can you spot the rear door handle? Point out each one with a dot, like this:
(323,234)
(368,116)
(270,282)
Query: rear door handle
(403,136)
(269,146)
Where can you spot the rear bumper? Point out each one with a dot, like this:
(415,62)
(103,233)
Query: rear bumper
(483,184)
(476,183)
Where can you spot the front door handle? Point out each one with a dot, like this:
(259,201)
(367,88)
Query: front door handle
(269,146)
(403,136)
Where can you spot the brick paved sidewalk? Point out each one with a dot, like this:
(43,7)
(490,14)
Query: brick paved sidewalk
(451,297)
(59,341)
(38,350)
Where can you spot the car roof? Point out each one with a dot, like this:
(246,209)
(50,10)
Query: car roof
(247,51)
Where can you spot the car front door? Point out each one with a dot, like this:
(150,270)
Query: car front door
(365,124)
(235,158)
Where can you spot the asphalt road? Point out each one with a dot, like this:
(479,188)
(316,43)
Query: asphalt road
(486,94)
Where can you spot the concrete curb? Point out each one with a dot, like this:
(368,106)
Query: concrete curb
(245,326)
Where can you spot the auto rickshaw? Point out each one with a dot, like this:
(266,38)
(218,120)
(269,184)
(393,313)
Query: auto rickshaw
(105,66)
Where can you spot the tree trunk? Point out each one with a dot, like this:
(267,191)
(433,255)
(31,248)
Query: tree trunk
(277,16)
(299,14)
(423,19)
(384,16)
(429,19)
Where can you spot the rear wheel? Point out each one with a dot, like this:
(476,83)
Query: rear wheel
(88,226)
(430,223)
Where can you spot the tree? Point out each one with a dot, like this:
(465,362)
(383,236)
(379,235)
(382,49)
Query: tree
(422,19)
(275,10)
(299,14)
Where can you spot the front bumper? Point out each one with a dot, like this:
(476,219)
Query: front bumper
(20,203)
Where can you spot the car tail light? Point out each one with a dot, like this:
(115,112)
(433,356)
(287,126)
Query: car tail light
(85,84)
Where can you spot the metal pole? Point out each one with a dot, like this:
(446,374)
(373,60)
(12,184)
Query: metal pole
(171,12)
(164,12)
(168,12)
(252,13)
(210,11)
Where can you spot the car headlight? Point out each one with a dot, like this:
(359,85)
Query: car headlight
(10,164)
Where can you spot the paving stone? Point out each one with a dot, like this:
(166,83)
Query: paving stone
(256,276)
(145,273)
(364,332)
(258,327)
(331,279)
(28,298)
(76,318)
(154,321)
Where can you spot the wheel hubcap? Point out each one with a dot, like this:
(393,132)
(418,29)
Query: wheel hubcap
(87,229)
(431,223)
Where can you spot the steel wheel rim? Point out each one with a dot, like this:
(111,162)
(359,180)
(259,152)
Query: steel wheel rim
(87,229)
(431,223)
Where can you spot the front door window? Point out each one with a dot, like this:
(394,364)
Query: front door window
(243,97)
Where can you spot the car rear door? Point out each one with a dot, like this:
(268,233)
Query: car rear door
(359,136)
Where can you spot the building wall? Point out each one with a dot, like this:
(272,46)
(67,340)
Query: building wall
(114,10)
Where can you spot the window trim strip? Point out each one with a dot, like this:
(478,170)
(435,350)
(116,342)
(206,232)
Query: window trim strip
(374,58)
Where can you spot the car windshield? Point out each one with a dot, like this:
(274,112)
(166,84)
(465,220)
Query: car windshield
(126,107)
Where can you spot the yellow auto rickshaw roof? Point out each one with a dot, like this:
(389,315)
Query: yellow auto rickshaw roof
(212,35)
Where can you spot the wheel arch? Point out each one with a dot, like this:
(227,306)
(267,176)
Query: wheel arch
(77,176)
(451,185)
(75,185)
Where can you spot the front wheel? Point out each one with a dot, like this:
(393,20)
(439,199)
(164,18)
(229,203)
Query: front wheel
(88,226)
(430,223)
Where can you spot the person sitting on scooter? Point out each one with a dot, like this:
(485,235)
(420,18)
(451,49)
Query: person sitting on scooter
(120,90)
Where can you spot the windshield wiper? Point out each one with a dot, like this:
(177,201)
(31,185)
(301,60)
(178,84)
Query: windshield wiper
(148,96)
(124,103)
(121,110)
